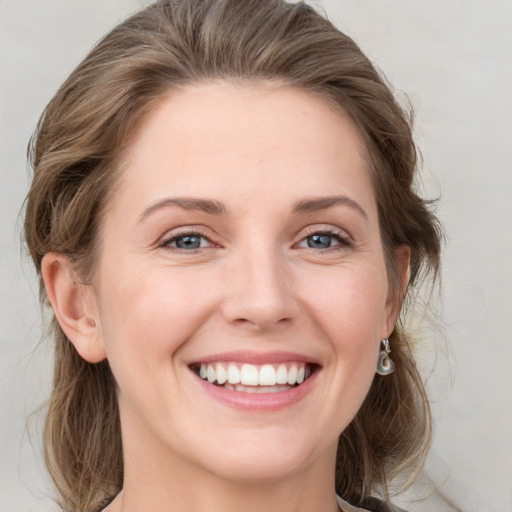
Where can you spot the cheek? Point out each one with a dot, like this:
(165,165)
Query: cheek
(350,304)
(349,309)
(147,316)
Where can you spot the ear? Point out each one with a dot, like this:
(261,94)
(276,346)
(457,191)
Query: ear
(74,305)
(396,298)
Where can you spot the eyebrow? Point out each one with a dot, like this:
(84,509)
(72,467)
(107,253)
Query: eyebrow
(187,203)
(314,204)
(217,208)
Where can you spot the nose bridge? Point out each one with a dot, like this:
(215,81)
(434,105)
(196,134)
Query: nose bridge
(260,291)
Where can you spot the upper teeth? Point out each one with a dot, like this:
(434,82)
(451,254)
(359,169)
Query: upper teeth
(255,375)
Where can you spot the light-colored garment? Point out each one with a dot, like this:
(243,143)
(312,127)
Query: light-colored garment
(347,507)
(380,506)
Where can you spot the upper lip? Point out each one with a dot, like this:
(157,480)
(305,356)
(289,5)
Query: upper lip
(255,357)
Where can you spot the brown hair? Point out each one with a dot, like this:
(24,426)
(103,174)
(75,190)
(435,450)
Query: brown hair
(74,153)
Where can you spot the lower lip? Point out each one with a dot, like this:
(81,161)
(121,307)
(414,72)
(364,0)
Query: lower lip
(259,401)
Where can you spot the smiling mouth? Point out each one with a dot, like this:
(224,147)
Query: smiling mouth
(251,378)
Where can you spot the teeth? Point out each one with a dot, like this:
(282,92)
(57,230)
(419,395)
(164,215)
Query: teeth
(211,375)
(249,375)
(233,374)
(282,375)
(256,389)
(267,375)
(222,374)
(292,375)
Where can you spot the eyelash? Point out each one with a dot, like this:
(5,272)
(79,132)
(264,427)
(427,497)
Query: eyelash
(183,234)
(342,238)
(343,241)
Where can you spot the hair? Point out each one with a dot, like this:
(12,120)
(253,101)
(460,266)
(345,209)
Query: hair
(75,154)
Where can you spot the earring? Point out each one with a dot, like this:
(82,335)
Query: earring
(385,365)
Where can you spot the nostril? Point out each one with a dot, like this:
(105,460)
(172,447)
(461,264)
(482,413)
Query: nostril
(244,321)
(261,323)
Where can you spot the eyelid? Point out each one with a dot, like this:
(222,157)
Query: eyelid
(343,237)
(325,230)
(183,231)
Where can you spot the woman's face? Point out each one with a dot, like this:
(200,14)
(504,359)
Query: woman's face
(240,253)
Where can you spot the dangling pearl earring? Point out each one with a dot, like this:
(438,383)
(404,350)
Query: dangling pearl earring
(385,365)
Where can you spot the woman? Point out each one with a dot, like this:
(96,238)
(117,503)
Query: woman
(223,219)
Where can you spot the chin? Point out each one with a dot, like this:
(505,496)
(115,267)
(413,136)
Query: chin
(261,458)
(264,469)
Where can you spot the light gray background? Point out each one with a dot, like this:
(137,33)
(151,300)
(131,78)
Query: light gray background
(454,60)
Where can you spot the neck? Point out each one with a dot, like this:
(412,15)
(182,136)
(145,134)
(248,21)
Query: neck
(160,480)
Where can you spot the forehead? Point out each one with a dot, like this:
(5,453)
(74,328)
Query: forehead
(232,138)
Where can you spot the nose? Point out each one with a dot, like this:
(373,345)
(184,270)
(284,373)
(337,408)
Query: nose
(259,292)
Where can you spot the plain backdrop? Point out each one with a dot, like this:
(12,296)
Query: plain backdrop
(453,60)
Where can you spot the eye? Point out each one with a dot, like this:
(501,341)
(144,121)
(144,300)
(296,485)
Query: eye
(319,241)
(325,240)
(187,241)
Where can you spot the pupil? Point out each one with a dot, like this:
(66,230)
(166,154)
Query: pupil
(188,242)
(319,241)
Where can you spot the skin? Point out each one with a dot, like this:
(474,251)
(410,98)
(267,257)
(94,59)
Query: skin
(254,285)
